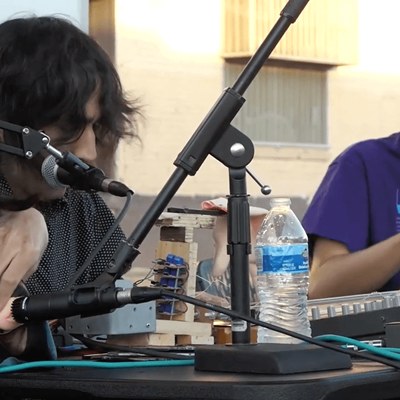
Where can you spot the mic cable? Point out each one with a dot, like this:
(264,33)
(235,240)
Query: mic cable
(95,301)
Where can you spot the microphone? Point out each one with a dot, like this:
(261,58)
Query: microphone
(85,301)
(82,177)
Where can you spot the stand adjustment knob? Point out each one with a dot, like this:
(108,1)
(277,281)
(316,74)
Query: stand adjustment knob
(265,189)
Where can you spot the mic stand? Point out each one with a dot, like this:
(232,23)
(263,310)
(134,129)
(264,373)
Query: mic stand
(227,144)
(224,142)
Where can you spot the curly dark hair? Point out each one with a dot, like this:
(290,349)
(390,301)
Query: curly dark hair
(49,69)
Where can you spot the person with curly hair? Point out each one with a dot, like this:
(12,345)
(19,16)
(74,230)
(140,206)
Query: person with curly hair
(57,79)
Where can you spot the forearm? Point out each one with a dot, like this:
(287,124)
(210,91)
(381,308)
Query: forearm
(23,240)
(15,341)
(363,271)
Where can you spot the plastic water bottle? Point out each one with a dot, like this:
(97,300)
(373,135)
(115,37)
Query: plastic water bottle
(281,252)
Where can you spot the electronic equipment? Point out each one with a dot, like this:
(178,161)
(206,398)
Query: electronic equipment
(361,316)
(133,318)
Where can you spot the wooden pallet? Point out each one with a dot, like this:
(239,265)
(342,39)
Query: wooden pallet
(168,333)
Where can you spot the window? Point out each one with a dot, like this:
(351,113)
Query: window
(284,105)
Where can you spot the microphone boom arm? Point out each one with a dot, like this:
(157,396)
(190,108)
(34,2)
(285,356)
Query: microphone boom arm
(206,139)
(217,137)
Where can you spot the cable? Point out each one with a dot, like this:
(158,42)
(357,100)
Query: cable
(150,274)
(385,352)
(90,343)
(103,241)
(275,328)
(94,364)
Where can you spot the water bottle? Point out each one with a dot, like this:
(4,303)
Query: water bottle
(281,253)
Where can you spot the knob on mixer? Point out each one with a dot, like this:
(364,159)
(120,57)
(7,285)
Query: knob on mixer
(331,311)
(345,309)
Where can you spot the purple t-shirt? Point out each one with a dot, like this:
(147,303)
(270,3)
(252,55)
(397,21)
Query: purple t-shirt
(358,201)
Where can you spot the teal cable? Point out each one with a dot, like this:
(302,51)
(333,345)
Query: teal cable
(94,364)
(394,349)
(388,353)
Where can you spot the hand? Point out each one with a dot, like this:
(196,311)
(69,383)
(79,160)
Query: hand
(23,240)
(7,322)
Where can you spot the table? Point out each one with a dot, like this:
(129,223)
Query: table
(366,380)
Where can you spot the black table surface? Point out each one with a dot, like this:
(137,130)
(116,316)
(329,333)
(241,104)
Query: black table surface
(365,380)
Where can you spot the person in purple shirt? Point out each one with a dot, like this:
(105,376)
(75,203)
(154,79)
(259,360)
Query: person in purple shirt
(353,222)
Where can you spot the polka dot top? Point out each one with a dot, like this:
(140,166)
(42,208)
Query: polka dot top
(76,224)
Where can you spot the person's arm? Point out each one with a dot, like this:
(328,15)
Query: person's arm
(337,272)
(23,240)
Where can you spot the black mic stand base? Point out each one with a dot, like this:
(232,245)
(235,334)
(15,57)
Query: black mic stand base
(269,358)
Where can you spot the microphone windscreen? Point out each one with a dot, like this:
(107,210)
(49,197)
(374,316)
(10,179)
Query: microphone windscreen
(49,173)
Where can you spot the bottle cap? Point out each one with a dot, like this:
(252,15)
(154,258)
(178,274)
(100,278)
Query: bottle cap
(280,201)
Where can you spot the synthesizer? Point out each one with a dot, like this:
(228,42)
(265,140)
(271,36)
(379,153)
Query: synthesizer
(364,316)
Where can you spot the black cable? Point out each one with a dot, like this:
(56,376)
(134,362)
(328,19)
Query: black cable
(275,328)
(103,241)
(96,345)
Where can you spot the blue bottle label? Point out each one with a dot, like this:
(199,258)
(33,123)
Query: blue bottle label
(282,259)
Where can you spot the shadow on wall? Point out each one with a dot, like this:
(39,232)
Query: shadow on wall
(140,204)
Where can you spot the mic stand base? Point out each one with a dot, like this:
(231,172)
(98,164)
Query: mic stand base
(269,358)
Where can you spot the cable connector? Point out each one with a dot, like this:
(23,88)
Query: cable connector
(144,294)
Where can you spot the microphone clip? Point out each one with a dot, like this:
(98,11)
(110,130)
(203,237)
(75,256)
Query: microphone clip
(80,175)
